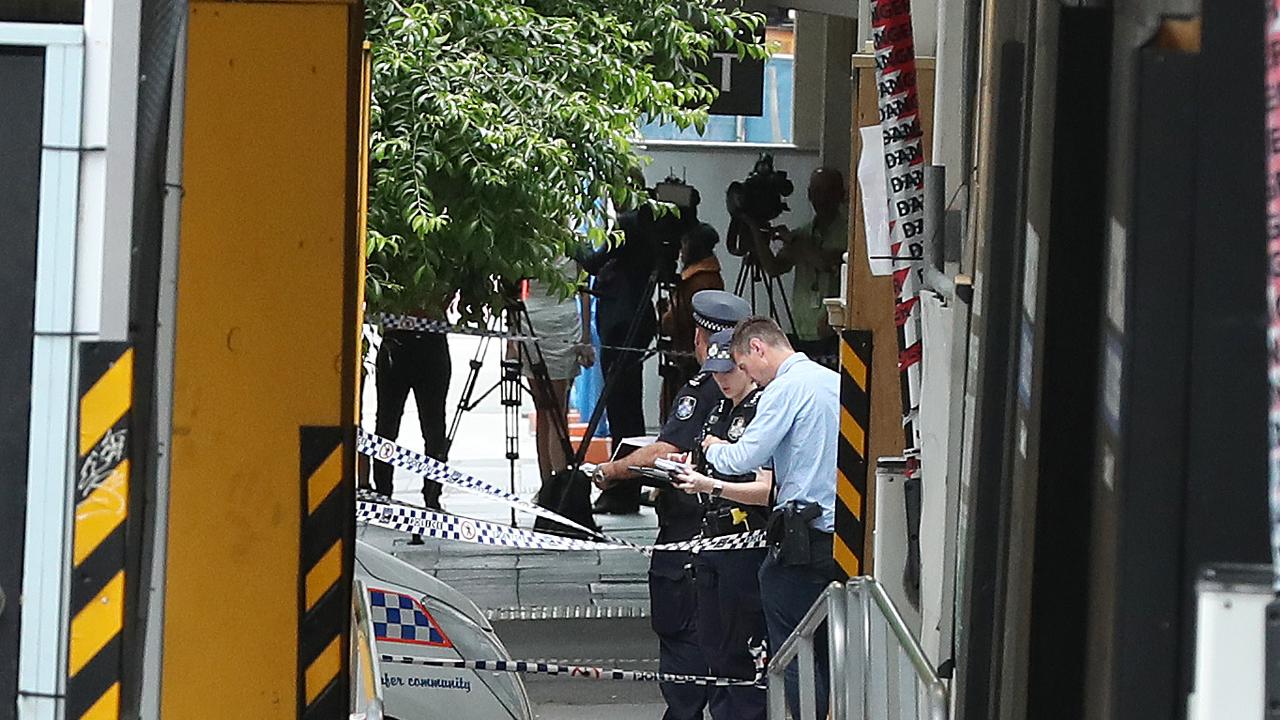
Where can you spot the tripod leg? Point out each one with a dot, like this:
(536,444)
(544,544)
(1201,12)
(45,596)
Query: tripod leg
(468,390)
(511,416)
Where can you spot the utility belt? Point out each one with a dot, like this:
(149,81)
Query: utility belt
(721,518)
(792,539)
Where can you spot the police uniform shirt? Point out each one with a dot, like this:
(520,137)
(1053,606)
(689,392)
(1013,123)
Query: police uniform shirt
(679,513)
(693,403)
(727,422)
(796,428)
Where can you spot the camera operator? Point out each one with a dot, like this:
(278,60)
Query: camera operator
(814,250)
(672,599)
(730,618)
(795,431)
(699,270)
(622,278)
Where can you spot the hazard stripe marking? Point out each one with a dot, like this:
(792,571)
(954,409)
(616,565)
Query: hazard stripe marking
(101,513)
(106,402)
(327,530)
(324,670)
(849,545)
(94,626)
(106,706)
(99,583)
(853,432)
(324,480)
(853,366)
(324,575)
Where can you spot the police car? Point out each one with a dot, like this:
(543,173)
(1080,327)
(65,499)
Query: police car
(414,615)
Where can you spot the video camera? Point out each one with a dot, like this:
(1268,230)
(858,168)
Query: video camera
(668,228)
(665,229)
(760,196)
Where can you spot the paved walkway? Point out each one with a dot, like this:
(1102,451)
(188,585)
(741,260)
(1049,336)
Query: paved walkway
(512,584)
(515,586)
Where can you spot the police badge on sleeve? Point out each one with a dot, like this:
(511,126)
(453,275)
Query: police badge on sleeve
(685,406)
(737,427)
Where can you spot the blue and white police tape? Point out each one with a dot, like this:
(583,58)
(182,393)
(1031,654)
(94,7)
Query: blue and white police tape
(585,672)
(411,323)
(443,526)
(380,448)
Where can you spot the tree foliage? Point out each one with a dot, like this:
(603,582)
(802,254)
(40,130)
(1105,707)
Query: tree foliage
(501,126)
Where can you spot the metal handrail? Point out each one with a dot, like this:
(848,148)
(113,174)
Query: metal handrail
(850,638)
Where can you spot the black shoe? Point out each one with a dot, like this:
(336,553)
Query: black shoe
(416,540)
(607,505)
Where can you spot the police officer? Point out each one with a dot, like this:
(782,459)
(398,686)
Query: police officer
(795,431)
(730,619)
(672,599)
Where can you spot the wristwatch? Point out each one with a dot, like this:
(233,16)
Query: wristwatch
(717,489)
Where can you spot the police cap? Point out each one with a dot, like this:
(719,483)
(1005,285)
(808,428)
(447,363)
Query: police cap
(718,357)
(716,310)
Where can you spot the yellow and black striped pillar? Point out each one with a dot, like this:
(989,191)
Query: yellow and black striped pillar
(324,583)
(97,614)
(851,461)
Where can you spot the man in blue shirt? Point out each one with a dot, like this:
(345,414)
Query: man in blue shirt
(796,431)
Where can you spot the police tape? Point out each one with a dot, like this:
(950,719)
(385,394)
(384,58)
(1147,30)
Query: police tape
(585,672)
(388,451)
(443,526)
(411,323)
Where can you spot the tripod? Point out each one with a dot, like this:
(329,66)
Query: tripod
(751,272)
(510,385)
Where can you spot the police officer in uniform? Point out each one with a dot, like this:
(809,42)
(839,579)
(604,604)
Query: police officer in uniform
(730,619)
(672,598)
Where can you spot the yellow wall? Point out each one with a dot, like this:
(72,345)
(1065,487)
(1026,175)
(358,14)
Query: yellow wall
(265,335)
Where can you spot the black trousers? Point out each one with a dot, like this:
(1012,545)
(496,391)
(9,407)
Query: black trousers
(624,405)
(788,591)
(674,618)
(418,362)
(731,622)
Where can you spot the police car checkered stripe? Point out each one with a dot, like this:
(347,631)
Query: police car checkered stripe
(586,672)
(380,448)
(443,526)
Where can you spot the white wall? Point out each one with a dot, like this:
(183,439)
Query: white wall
(710,168)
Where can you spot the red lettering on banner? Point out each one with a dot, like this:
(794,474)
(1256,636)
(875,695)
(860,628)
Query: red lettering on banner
(899,106)
(909,357)
(902,312)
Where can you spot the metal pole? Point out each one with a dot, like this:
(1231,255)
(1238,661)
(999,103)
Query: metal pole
(837,653)
(777,695)
(863,587)
(935,213)
(808,694)
(1272,684)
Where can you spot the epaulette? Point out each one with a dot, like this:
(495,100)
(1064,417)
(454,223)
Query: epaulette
(753,400)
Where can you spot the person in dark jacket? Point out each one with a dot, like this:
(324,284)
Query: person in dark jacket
(624,294)
(700,270)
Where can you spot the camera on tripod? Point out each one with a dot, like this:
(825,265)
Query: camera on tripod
(759,197)
(666,229)
(753,204)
